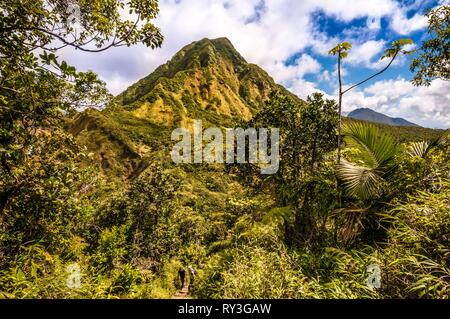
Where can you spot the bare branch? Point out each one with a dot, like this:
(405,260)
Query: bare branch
(374,75)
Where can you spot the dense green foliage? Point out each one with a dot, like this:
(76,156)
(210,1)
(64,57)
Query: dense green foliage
(433,58)
(37,88)
(95,193)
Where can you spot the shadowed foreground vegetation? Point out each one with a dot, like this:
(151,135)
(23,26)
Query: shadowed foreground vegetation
(248,235)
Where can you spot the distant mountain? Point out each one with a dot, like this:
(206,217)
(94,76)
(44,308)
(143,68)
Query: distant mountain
(372,116)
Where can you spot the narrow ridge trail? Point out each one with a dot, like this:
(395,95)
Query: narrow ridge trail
(182,294)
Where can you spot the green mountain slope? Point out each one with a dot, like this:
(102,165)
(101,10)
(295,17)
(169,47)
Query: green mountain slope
(206,80)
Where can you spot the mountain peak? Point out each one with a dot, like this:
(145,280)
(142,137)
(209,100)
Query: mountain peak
(206,79)
(220,40)
(209,49)
(373,116)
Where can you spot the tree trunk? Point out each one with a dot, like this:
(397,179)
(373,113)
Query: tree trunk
(304,219)
(340,109)
(313,155)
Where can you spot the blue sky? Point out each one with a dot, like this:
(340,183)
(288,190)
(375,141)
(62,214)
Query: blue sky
(363,30)
(290,39)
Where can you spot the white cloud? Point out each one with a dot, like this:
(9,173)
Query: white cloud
(303,88)
(305,64)
(348,10)
(365,53)
(280,30)
(426,106)
(402,25)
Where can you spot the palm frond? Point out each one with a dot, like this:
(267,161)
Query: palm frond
(360,182)
(378,151)
(379,148)
(421,149)
(418,149)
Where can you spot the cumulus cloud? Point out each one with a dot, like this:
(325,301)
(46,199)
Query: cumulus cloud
(303,88)
(348,10)
(402,25)
(426,106)
(266,32)
(365,53)
(305,64)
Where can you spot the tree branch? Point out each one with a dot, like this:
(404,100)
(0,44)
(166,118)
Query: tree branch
(374,75)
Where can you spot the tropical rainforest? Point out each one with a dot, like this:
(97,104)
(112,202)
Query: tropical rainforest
(87,184)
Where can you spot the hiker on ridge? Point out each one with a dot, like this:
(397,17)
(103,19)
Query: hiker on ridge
(182,274)
(192,274)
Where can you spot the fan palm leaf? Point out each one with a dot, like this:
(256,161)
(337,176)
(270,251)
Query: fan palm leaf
(378,151)
(421,149)
(418,149)
(360,182)
(378,148)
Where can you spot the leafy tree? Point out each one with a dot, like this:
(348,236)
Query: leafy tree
(146,209)
(341,50)
(319,120)
(36,88)
(433,60)
(47,205)
(307,133)
(41,184)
